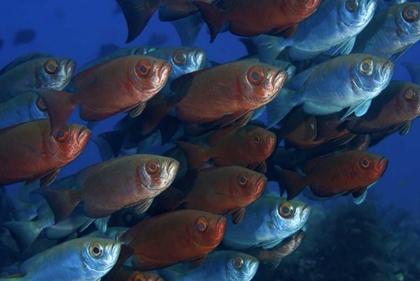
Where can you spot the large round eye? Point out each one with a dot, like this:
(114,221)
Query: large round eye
(143,68)
(62,134)
(152,167)
(238,262)
(286,209)
(51,66)
(96,250)
(242,179)
(40,104)
(410,13)
(201,224)
(409,94)
(365,162)
(256,75)
(352,5)
(179,57)
(366,66)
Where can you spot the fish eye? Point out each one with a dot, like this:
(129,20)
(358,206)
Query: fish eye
(256,138)
(62,134)
(51,66)
(143,68)
(352,5)
(96,250)
(152,167)
(40,104)
(201,224)
(140,277)
(365,162)
(242,179)
(179,57)
(238,262)
(366,66)
(286,209)
(409,94)
(256,75)
(410,13)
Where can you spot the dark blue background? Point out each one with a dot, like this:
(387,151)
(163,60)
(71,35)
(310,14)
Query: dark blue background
(76,29)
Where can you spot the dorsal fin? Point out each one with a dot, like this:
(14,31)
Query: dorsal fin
(179,82)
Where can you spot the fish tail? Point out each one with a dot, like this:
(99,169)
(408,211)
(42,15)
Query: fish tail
(109,144)
(196,156)
(170,199)
(137,14)
(126,252)
(213,16)
(290,181)
(279,107)
(61,201)
(59,106)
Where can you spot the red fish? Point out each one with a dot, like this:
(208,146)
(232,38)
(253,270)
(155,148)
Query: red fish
(115,184)
(28,151)
(246,146)
(221,191)
(251,18)
(171,238)
(350,172)
(120,85)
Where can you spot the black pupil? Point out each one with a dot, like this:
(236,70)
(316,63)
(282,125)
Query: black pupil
(256,139)
(255,75)
(238,263)
(60,134)
(410,13)
(179,57)
(365,162)
(365,66)
(152,167)
(201,226)
(243,180)
(51,67)
(96,250)
(352,5)
(143,69)
(285,210)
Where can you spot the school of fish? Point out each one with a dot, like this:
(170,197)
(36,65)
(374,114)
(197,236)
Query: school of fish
(181,192)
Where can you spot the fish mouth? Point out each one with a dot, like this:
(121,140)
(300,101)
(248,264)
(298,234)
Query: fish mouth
(199,59)
(269,147)
(261,185)
(305,213)
(388,70)
(70,67)
(383,164)
(84,135)
(252,268)
(173,168)
(164,73)
(221,228)
(116,249)
(279,79)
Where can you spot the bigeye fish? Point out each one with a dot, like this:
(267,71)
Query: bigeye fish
(125,273)
(348,81)
(391,32)
(337,24)
(22,59)
(266,223)
(220,265)
(115,184)
(35,154)
(85,259)
(22,108)
(51,73)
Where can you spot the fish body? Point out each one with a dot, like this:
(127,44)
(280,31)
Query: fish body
(266,223)
(22,59)
(391,32)
(31,153)
(220,265)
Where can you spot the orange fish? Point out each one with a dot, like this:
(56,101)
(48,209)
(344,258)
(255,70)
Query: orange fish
(221,191)
(28,151)
(251,18)
(350,172)
(120,85)
(127,274)
(171,238)
(246,146)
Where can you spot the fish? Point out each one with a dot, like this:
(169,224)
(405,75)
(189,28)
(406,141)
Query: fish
(22,59)
(337,25)
(23,108)
(113,233)
(127,274)
(332,175)
(120,85)
(246,146)
(107,49)
(77,259)
(249,18)
(267,222)
(115,184)
(193,235)
(348,81)
(35,154)
(221,265)
(220,191)
(391,32)
(45,72)
(24,36)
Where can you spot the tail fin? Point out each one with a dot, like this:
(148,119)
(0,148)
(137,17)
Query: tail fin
(196,156)
(279,107)
(213,16)
(62,201)
(290,181)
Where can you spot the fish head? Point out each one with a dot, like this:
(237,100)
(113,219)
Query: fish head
(36,106)
(55,73)
(240,266)
(260,143)
(370,74)
(300,9)
(99,255)
(156,173)
(286,66)
(290,215)
(408,99)
(68,143)
(356,13)
(407,18)
(207,230)
(368,167)
(246,184)
(260,83)
(148,74)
